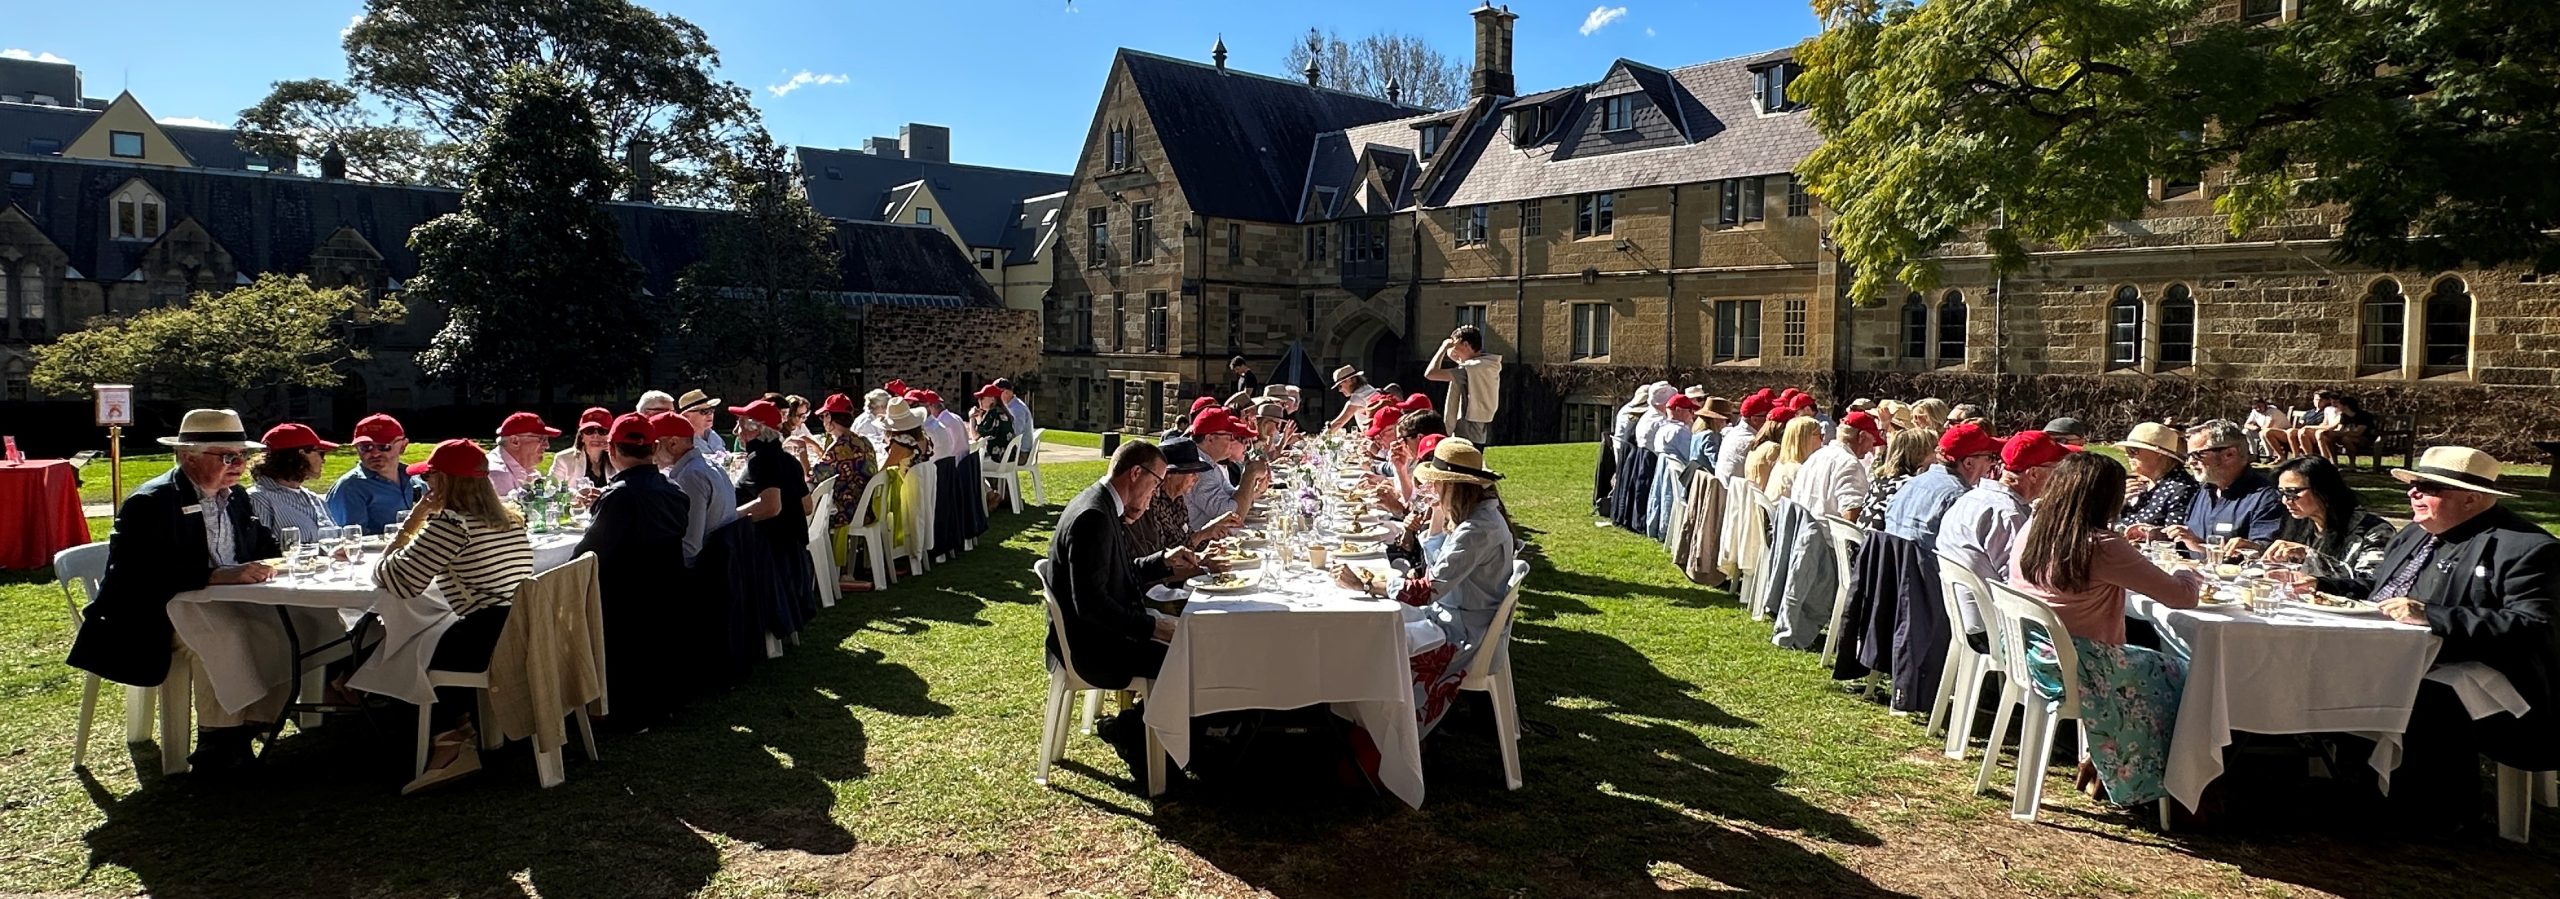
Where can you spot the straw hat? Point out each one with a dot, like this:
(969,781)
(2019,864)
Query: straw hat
(1455,460)
(2156,437)
(902,417)
(211,429)
(2453,466)
(1346,373)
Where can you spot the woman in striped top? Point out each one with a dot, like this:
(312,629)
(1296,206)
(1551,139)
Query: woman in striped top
(463,542)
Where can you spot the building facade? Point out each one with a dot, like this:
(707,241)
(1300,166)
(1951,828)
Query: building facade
(1646,225)
(1004,220)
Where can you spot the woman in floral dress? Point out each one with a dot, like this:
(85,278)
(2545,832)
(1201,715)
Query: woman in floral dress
(848,458)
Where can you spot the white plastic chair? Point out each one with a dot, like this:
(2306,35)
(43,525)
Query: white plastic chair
(1031,463)
(2518,792)
(2016,613)
(1960,684)
(86,565)
(1490,673)
(998,467)
(1846,537)
(1065,686)
(872,533)
(822,551)
(546,765)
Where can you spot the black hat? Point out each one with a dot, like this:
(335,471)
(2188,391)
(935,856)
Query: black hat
(1182,456)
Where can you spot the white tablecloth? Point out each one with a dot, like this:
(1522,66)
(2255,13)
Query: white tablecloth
(232,628)
(1291,644)
(2292,672)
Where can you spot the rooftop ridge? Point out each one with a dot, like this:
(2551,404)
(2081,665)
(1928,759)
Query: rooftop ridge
(956,165)
(1275,79)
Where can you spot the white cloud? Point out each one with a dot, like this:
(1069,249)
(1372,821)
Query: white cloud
(806,78)
(352,22)
(1648,31)
(15,53)
(190,121)
(1600,18)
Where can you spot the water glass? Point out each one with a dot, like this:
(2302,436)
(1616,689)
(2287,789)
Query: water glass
(329,540)
(353,538)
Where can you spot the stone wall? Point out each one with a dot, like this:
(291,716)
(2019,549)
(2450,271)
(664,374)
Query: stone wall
(949,350)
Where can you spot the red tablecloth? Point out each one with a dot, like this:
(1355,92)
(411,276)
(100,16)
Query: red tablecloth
(39,512)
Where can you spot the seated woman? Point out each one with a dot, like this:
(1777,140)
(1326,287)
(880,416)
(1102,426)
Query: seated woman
(2072,559)
(2161,488)
(2330,534)
(294,454)
(1797,443)
(461,541)
(1465,573)
(1907,454)
(908,464)
(583,466)
(1762,458)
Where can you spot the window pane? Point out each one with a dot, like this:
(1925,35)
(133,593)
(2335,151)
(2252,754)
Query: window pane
(1915,328)
(2177,327)
(1951,322)
(2448,326)
(1751,198)
(1749,329)
(1791,327)
(2124,329)
(1607,213)
(127,144)
(2385,311)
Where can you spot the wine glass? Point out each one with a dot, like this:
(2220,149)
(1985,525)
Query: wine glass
(330,539)
(289,542)
(352,537)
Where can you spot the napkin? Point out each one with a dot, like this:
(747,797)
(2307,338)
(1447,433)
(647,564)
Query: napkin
(1165,593)
(2484,691)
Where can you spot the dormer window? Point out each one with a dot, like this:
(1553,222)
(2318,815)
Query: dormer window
(1618,113)
(1769,87)
(1432,135)
(137,213)
(1529,125)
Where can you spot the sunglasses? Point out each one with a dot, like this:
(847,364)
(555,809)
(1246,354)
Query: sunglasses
(2292,492)
(373,448)
(2431,488)
(229,458)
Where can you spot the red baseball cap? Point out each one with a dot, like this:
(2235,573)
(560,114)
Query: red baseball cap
(1418,402)
(1802,402)
(1203,403)
(1863,421)
(1782,414)
(1681,401)
(633,427)
(378,428)
(1424,446)
(837,402)
(896,387)
(671,426)
(1787,394)
(2028,449)
(596,417)
(762,412)
(1384,422)
(920,396)
(1966,439)
(526,423)
(1756,404)
(455,458)
(289,436)
(988,391)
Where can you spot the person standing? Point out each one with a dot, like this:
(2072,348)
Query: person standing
(1240,377)
(374,493)
(1475,384)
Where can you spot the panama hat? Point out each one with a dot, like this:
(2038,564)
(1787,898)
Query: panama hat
(901,416)
(696,401)
(1456,460)
(2153,436)
(2455,466)
(1346,373)
(211,429)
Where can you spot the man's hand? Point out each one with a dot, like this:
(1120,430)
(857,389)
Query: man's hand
(2137,533)
(2405,610)
(252,573)
(1164,629)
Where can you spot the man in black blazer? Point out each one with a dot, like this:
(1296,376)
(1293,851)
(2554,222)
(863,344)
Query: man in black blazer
(638,539)
(1100,585)
(181,531)
(2487,582)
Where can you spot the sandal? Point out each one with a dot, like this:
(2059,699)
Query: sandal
(465,762)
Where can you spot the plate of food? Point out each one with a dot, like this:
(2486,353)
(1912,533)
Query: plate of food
(1234,557)
(1368,534)
(1345,549)
(1224,582)
(2337,605)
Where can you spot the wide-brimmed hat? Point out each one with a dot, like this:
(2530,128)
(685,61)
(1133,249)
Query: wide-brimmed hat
(2455,466)
(696,401)
(211,429)
(902,417)
(1272,408)
(1456,459)
(1182,456)
(1717,408)
(2156,437)
(1346,373)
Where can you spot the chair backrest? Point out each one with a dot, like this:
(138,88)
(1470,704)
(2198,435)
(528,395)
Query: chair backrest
(1497,639)
(85,564)
(1846,537)
(862,507)
(1057,615)
(2018,612)
(825,491)
(1031,453)
(1953,574)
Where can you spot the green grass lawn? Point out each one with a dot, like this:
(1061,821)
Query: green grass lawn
(138,469)
(1669,749)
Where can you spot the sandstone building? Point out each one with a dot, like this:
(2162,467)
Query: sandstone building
(1646,224)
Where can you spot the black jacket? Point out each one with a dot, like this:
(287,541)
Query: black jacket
(1100,588)
(2491,591)
(156,552)
(638,535)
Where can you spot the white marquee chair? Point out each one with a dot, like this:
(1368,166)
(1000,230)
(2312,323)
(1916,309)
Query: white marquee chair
(1065,686)
(1960,684)
(532,597)
(1846,537)
(2016,613)
(822,551)
(1490,673)
(86,565)
(871,533)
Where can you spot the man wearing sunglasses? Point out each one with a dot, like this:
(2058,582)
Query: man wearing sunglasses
(2236,508)
(374,493)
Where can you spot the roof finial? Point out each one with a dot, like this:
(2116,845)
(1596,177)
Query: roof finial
(1218,53)
(1314,75)
(1395,91)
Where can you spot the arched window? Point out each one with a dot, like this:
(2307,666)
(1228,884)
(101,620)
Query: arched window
(26,299)
(2177,327)
(137,213)
(2384,314)
(1951,328)
(2124,329)
(2448,328)
(1915,327)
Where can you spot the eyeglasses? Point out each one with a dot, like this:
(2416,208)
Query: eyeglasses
(229,458)
(2292,492)
(373,448)
(2193,455)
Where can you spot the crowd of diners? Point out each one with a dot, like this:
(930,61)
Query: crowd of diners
(2033,510)
(1150,521)
(655,488)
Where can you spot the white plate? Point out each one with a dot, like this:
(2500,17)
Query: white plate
(2360,607)
(1363,550)
(1243,582)
(1367,535)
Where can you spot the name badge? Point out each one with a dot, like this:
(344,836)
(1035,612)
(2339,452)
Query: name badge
(2223,527)
(2480,571)
(191,510)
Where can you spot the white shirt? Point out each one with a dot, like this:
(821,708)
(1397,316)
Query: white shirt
(2259,421)
(951,436)
(873,428)
(1831,481)
(1646,427)
(1358,404)
(1978,533)
(1730,451)
(1482,374)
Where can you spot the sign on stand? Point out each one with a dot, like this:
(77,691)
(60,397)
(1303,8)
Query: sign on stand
(115,410)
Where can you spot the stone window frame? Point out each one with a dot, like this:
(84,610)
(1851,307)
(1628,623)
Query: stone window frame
(1235,321)
(1317,239)
(2382,327)
(2436,317)
(1142,233)
(1159,322)
(1592,321)
(1799,200)
(1097,236)
(1116,152)
(1793,314)
(1475,314)
(149,216)
(22,287)
(1587,418)
(1731,339)
(1595,214)
(2125,335)
(1478,226)
(1951,300)
(1533,218)
(1235,243)
(2177,300)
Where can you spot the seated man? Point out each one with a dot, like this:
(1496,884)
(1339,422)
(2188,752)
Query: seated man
(1225,490)
(181,531)
(379,488)
(2235,508)
(1167,522)
(711,500)
(1834,481)
(2480,577)
(638,539)
(1099,584)
(1982,527)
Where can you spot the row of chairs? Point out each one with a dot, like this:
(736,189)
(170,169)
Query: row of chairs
(873,535)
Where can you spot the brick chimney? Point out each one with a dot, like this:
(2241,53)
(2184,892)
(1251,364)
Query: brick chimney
(925,143)
(636,156)
(1492,74)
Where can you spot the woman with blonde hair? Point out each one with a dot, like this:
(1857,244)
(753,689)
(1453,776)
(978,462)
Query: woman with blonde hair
(1763,458)
(470,548)
(1802,437)
(1893,416)
(1907,454)
(1929,414)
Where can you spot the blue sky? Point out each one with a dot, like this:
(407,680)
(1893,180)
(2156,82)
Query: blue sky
(1015,79)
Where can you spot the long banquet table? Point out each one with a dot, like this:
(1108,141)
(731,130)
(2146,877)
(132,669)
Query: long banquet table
(1297,641)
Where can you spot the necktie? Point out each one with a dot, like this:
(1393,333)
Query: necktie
(2407,576)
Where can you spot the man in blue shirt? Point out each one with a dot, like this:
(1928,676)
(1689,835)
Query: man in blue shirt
(710,499)
(374,493)
(2235,508)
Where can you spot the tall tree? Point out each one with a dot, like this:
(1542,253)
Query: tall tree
(277,331)
(1424,76)
(530,270)
(759,296)
(301,119)
(647,75)
(2429,124)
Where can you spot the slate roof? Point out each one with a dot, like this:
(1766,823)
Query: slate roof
(1727,137)
(273,223)
(1037,224)
(1240,143)
(979,202)
(20,122)
(1336,163)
